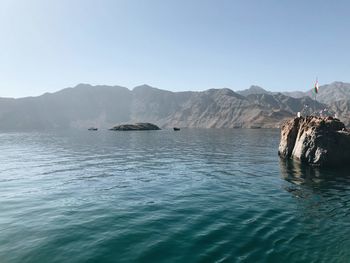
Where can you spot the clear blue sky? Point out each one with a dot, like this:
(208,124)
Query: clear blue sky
(47,45)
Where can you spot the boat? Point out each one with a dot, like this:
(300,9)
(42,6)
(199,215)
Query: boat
(176,129)
(255,127)
(93,129)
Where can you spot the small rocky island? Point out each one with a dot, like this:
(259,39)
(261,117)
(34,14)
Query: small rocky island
(318,141)
(136,127)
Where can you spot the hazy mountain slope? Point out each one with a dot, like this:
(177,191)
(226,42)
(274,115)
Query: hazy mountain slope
(217,108)
(295,94)
(104,106)
(92,104)
(333,92)
(342,110)
(283,102)
(212,108)
(152,105)
(6,105)
(327,93)
(81,106)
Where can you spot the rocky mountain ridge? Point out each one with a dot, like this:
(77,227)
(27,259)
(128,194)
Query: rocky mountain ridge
(106,106)
(328,93)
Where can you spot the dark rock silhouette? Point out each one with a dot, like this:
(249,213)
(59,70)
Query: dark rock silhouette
(136,127)
(318,141)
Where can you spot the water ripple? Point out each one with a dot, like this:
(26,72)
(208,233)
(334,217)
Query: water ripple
(192,196)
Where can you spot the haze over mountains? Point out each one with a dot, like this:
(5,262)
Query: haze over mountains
(105,106)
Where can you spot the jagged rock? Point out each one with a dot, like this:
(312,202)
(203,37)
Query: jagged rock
(135,127)
(319,141)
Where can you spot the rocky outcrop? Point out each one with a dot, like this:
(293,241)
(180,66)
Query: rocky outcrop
(318,141)
(136,127)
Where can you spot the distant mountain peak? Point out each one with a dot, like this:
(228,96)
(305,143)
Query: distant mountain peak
(83,85)
(257,88)
(254,89)
(144,86)
(147,89)
(223,91)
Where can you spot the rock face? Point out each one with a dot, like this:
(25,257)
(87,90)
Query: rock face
(317,141)
(136,127)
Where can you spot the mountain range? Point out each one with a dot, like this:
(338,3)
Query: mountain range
(105,106)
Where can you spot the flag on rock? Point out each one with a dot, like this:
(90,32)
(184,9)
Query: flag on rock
(316,87)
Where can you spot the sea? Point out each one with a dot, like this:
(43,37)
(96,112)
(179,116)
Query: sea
(197,195)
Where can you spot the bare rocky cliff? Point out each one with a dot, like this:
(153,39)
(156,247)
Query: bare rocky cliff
(315,140)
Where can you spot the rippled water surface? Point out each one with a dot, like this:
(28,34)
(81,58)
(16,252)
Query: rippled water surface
(164,196)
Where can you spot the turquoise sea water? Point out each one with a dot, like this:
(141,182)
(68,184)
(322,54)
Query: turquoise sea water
(162,196)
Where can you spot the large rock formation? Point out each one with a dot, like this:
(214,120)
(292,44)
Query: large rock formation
(136,127)
(317,141)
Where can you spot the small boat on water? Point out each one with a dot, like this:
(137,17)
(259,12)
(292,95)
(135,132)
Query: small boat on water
(255,127)
(93,129)
(176,129)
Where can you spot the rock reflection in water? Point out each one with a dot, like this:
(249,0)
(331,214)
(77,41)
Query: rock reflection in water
(297,173)
(304,178)
(322,194)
